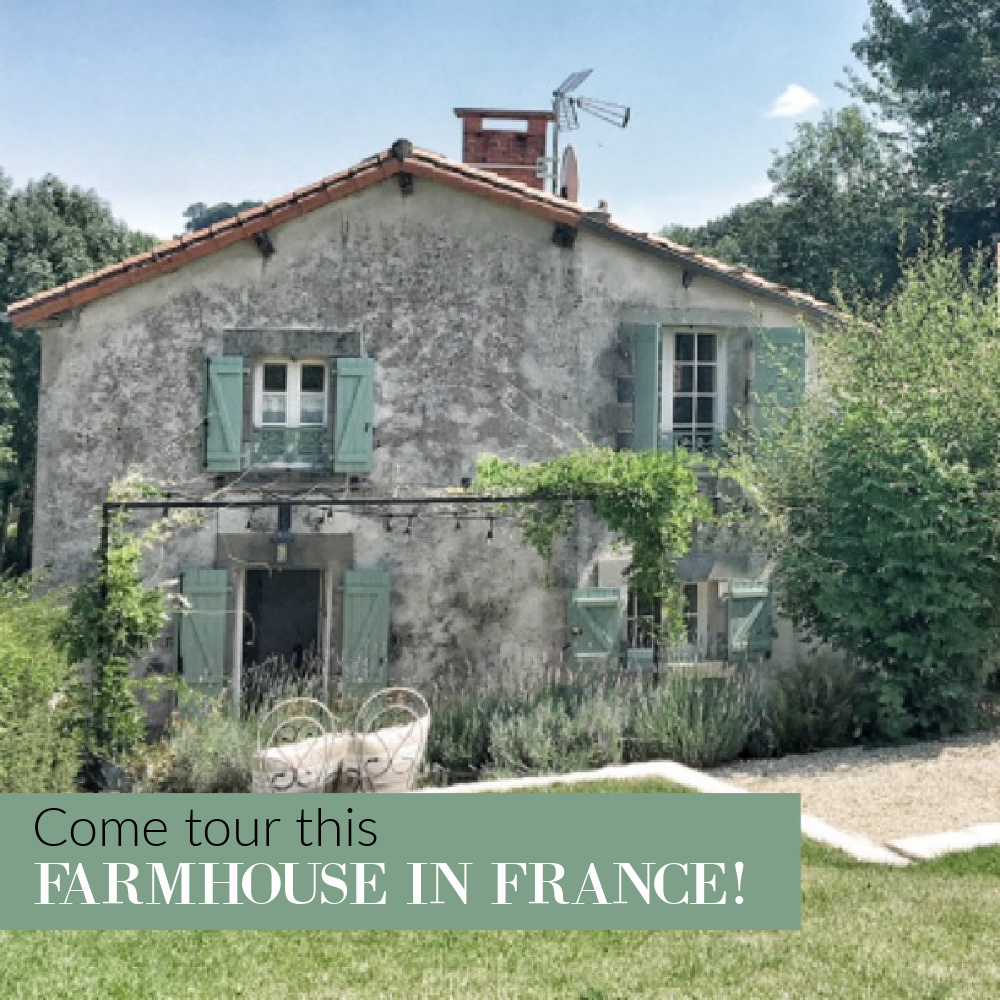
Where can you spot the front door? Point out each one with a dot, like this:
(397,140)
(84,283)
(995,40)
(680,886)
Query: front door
(281,618)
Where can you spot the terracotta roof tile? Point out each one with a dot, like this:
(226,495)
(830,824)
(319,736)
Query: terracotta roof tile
(172,254)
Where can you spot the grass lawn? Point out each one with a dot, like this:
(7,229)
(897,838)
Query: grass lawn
(925,931)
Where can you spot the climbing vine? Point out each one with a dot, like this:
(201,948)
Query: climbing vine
(649,500)
(113,618)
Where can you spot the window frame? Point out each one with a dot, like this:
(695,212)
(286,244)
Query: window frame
(293,392)
(641,624)
(667,352)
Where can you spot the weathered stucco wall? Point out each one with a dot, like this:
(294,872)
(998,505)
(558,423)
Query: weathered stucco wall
(488,338)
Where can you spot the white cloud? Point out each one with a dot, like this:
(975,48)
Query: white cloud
(793,102)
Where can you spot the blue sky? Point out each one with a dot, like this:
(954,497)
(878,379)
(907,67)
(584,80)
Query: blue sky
(159,104)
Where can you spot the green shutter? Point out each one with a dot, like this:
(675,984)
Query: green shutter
(203,629)
(352,429)
(224,414)
(779,371)
(594,619)
(750,627)
(646,386)
(365,651)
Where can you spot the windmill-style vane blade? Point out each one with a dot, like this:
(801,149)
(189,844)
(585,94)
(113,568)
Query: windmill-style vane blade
(572,82)
(607,111)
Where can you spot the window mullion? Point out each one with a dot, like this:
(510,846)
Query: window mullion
(294,392)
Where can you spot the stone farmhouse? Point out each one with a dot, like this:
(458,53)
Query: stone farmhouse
(371,335)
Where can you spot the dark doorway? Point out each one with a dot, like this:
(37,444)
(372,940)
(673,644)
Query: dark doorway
(282,613)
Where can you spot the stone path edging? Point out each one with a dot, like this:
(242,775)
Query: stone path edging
(934,845)
(812,827)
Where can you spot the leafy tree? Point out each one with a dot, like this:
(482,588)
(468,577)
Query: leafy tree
(201,216)
(49,233)
(935,74)
(881,493)
(842,198)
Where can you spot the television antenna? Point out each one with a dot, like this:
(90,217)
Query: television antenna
(566,108)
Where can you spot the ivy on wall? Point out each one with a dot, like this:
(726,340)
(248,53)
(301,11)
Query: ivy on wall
(648,499)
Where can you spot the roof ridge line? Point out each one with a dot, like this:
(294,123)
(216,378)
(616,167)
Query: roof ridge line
(174,253)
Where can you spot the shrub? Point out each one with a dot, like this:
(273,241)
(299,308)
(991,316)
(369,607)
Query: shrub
(39,744)
(277,678)
(459,738)
(558,733)
(208,751)
(880,495)
(693,718)
(815,704)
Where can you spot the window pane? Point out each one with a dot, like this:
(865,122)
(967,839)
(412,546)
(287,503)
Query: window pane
(691,612)
(275,378)
(682,410)
(684,347)
(312,378)
(683,378)
(312,409)
(706,346)
(706,378)
(273,410)
(706,410)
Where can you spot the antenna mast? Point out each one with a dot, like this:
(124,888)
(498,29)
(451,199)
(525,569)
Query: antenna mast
(565,110)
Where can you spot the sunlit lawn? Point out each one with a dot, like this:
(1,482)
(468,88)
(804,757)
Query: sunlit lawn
(925,931)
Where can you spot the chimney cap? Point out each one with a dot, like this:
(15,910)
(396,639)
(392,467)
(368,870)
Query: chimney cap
(501,113)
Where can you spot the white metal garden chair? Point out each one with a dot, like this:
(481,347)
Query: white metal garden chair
(390,734)
(299,748)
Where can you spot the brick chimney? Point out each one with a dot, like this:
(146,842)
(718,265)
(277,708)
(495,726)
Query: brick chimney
(508,143)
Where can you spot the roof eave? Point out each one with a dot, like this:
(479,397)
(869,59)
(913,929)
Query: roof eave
(174,254)
(691,262)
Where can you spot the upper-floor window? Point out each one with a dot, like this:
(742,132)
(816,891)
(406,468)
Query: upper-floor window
(290,394)
(692,404)
(314,414)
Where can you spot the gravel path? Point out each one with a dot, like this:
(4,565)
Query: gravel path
(889,792)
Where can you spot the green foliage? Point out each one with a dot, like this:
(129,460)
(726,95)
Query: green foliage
(842,201)
(848,190)
(8,409)
(585,720)
(648,499)
(39,746)
(201,216)
(49,233)
(935,72)
(697,719)
(558,734)
(209,750)
(815,704)
(459,737)
(113,618)
(882,496)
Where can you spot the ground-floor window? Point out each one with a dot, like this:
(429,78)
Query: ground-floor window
(704,625)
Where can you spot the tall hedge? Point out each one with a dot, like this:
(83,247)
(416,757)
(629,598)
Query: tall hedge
(38,704)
